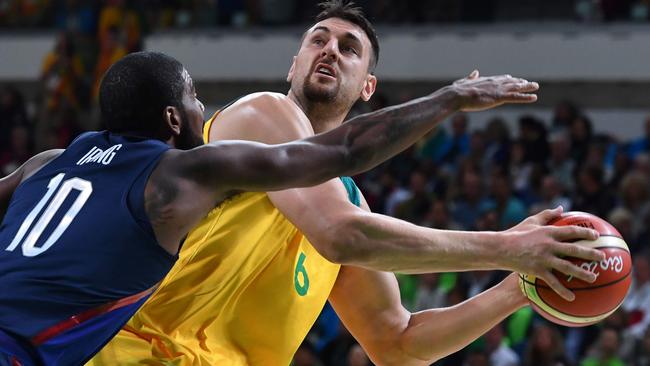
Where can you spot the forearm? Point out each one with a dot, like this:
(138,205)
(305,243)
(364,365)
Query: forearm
(374,137)
(383,243)
(436,333)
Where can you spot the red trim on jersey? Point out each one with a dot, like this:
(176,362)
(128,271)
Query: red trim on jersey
(75,320)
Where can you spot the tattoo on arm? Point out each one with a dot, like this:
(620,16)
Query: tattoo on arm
(158,201)
(376,136)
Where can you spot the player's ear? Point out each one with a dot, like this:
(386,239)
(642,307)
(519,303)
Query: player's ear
(291,70)
(172,119)
(369,87)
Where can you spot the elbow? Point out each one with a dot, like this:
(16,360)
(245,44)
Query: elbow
(395,355)
(341,241)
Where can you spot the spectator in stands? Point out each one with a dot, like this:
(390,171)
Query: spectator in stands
(64,128)
(336,353)
(533,135)
(306,355)
(641,144)
(429,294)
(19,149)
(563,114)
(418,202)
(637,302)
(357,356)
(117,15)
(605,351)
(640,355)
(496,345)
(476,155)
(642,240)
(468,206)
(623,220)
(545,347)
(12,112)
(520,168)
(552,195)
(581,132)
(591,193)
(62,75)
(622,165)
(498,145)
(76,16)
(457,144)
(509,208)
(634,195)
(479,281)
(111,48)
(439,217)
(560,163)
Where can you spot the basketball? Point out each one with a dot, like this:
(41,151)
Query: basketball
(593,301)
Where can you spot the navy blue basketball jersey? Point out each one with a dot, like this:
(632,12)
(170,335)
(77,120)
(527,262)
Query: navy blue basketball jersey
(77,253)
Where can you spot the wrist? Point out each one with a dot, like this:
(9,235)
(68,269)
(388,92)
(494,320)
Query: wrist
(513,293)
(494,253)
(450,97)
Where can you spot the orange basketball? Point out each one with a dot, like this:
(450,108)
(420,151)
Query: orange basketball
(594,301)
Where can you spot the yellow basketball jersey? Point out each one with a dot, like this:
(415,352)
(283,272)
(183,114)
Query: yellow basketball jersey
(245,291)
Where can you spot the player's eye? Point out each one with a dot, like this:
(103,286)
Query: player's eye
(318,42)
(350,49)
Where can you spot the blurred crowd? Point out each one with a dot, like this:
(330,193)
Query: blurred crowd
(455,178)
(490,179)
(164,14)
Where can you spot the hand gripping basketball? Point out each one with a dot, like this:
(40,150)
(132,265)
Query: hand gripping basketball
(593,301)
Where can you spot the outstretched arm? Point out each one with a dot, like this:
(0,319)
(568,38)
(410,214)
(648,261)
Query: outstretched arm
(374,137)
(346,234)
(356,146)
(369,305)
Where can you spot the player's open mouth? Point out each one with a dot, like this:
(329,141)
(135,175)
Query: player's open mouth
(325,69)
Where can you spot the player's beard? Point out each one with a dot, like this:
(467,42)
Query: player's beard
(187,138)
(315,94)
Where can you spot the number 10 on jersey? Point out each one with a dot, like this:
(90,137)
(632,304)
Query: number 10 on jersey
(32,234)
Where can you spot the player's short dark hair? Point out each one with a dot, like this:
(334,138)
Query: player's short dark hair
(347,10)
(135,91)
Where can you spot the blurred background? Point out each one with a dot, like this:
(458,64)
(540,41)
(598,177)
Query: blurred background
(585,144)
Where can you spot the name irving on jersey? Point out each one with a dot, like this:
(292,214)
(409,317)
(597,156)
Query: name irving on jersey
(99,156)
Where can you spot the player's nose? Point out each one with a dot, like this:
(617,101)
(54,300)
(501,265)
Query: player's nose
(330,50)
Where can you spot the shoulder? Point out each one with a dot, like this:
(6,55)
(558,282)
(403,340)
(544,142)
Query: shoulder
(38,161)
(265,117)
(9,183)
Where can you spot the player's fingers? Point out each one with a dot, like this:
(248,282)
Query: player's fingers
(573,233)
(557,286)
(473,75)
(523,87)
(518,98)
(509,80)
(572,270)
(578,251)
(546,216)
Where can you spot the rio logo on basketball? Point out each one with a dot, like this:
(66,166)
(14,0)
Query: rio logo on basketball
(594,301)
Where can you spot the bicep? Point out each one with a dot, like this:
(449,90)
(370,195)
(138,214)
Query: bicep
(369,305)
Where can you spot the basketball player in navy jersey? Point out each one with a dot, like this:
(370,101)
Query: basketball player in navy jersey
(88,232)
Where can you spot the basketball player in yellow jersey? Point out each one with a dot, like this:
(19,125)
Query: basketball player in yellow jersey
(248,284)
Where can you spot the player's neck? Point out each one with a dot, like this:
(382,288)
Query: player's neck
(322,116)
